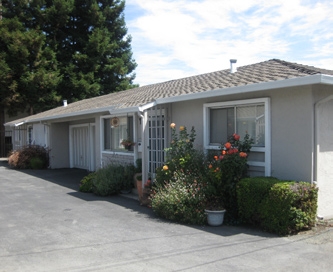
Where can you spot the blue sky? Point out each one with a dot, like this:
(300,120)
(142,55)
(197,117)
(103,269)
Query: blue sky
(177,38)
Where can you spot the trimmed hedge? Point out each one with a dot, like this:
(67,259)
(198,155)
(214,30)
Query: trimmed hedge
(278,206)
(250,194)
(289,208)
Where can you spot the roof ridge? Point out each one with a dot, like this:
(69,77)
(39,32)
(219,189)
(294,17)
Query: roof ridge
(311,70)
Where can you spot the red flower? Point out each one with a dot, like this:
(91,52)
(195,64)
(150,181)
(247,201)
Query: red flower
(236,137)
(216,158)
(243,154)
(227,145)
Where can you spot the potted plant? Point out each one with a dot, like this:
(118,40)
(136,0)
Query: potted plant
(127,143)
(215,211)
(226,168)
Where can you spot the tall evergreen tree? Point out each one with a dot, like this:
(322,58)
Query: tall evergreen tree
(29,73)
(83,43)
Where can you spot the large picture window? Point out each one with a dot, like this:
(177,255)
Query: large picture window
(240,119)
(252,117)
(117,130)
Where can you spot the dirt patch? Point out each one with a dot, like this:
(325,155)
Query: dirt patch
(322,233)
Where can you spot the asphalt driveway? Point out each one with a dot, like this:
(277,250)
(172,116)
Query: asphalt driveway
(47,225)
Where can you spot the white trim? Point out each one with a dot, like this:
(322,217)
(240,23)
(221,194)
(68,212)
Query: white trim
(266,149)
(147,106)
(316,136)
(102,151)
(107,152)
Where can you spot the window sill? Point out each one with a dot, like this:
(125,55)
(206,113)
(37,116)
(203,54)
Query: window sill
(125,152)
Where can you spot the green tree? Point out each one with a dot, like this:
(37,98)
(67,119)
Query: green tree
(29,73)
(85,43)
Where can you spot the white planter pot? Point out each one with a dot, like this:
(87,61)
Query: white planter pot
(215,218)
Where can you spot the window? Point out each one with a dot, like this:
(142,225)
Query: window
(116,132)
(250,116)
(224,119)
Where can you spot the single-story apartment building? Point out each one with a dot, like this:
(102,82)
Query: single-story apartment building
(287,108)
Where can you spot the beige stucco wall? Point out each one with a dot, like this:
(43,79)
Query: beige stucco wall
(59,145)
(292,133)
(291,127)
(189,113)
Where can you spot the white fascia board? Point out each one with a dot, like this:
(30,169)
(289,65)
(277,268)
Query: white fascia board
(74,114)
(284,83)
(147,106)
(124,110)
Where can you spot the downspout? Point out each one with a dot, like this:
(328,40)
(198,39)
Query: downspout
(315,151)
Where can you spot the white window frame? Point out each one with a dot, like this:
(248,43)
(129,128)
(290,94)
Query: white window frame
(124,152)
(266,149)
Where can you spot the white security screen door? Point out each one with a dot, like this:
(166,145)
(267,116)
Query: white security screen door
(157,137)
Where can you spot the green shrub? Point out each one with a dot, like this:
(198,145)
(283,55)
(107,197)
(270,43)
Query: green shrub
(250,194)
(87,183)
(138,165)
(289,207)
(108,180)
(36,163)
(177,191)
(181,157)
(30,156)
(179,201)
(127,180)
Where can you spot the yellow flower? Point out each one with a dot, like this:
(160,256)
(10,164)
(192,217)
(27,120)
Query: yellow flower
(165,167)
(172,125)
(181,128)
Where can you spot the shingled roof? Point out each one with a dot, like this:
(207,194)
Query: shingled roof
(267,71)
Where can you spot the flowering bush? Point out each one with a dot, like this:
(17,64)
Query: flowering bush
(180,201)
(181,157)
(226,168)
(190,182)
(177,192)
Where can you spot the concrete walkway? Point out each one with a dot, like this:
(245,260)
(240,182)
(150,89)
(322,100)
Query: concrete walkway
(47,225)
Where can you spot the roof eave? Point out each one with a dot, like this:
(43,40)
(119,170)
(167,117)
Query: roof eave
(284,83)
(73,114)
